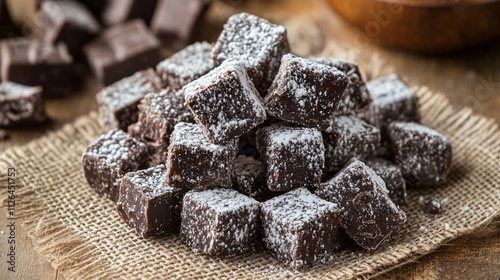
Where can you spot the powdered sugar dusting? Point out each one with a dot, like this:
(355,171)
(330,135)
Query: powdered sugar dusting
(152,181)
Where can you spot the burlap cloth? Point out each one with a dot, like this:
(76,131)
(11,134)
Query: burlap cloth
(82,235)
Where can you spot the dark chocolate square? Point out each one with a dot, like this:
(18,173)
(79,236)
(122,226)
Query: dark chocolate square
(122,50)
(220,222)
(174,20)
(31,63)
(368,214)
(118,102)
(147,204)
(393,178)
(20,105)
(356,96)
(195,163)
(109,158)
(118,11)
(392,101)
(423,154)
(293,156)
(300,229)
(186,65)
(349,137)
(255,42)
(305,92)
(224,102)
(66,21)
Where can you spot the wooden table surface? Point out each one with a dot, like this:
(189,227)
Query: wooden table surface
(469,79)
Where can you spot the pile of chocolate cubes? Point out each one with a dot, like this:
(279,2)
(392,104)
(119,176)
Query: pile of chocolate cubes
(241,146)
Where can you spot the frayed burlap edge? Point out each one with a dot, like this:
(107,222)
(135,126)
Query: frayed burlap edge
(76,258)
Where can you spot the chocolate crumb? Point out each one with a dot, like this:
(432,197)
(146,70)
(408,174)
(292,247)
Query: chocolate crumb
(433,207)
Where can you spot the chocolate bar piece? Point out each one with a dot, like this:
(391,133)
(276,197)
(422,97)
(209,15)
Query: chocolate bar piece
(356,96)
(423,154)
(174,20)
(368,214)
(392,176)
(147,204)
(195,163)
(119,11)
(118,102)
(20,105)
(158,114)
(300,229)
(66,21)
(109,158)
(225,103)
(122,50)
(349,137)
(293,156)
(255,42)
(305,92)
(31,63)
(186,65)
(392,101)
(220,222)
(248,177)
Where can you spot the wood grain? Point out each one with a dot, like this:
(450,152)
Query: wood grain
(469,79)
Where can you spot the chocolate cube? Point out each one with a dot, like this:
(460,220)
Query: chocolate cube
(255,42)
(225,102)
(300,229)
(186,65)
(158,114)
(392,176)
(423,154)
(109,158)
(174,20)
(118,102)
(248,177)
(195,163)
(20,105)
(66,21)
(119,11)
(31,63)
(392,101)
(220,222)
(349,137)
(305,92)
(293,156)
(147,204)
(356,96)
(368,214)
(122,50)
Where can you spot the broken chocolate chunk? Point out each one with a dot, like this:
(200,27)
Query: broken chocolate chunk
(220,222)
(248,177)
(293,156)
(147,204)
(195,163)
(118,102)
(256,43)
(423,154)
(122,50)
(305,92)
(300,229)
(20,105)
(224,102)
(109,158)
(368,214)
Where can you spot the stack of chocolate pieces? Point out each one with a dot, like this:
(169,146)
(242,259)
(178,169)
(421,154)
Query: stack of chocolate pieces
(318,131)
